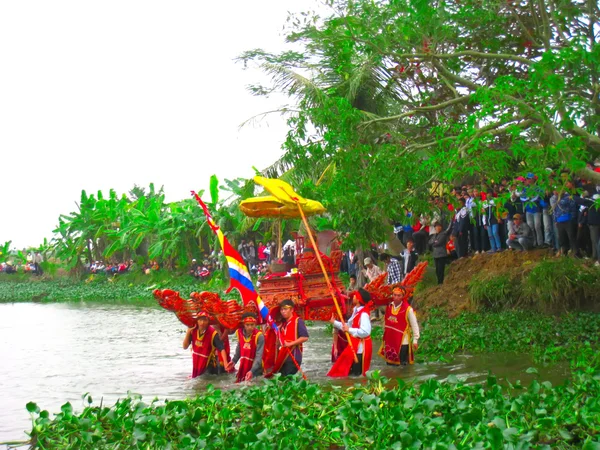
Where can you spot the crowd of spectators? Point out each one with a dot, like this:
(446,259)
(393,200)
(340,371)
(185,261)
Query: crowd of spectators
(33,265)
(513,215)
(109,268)
(209,265)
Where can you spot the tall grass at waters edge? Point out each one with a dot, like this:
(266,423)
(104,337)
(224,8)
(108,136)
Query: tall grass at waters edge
(552,286)
(125,288)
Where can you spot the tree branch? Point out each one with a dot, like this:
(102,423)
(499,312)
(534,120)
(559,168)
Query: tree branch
(437,107)
(503,56)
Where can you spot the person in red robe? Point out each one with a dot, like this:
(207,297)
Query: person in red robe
(401,332)
(249,350)
(359,330)
(293,335)
(204,340)
(339,344)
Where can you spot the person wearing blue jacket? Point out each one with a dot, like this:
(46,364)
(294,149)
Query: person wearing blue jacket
(531,196)
(563,215)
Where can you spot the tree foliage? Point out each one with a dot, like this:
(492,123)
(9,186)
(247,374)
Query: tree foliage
(143,227)
(392,97)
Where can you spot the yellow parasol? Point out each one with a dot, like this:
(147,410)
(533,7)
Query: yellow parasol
(270,206)
(284,194)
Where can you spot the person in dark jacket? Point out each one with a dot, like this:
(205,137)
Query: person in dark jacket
(594,224)
(563,217)
(460,229)
(409,257)
(438,243)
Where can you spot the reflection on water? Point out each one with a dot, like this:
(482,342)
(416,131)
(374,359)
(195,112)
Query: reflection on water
(53,353)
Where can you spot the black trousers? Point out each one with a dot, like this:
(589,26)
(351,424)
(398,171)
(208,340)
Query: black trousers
(288,368)
(462,244)
(404,355)
(420,238)
(566,237)
(584,241)
(356,368)
(440,265)
(476,234)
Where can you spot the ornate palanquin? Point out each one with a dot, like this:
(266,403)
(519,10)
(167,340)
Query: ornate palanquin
(307,288)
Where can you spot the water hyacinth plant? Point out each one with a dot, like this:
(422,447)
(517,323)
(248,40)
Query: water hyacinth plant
(296,414)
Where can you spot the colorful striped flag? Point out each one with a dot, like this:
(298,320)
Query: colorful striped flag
(238,272)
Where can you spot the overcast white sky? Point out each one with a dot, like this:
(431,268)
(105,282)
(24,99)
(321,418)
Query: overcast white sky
(100,95)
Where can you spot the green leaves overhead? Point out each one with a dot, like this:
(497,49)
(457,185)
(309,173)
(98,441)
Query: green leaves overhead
(402,94)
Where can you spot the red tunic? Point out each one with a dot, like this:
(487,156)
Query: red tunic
(289,332)
(341,345)
(270,349)
(247,352)
(341,368)
(396,325)
(203,350)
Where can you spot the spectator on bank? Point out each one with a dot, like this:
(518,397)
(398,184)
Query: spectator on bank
(491,223)
(460,228)
(409,257)
(563,215)
(438,243)
(353,284)
(262,256)
(371,270)
(194,268)
(530,196)
(522,236)
(393,267)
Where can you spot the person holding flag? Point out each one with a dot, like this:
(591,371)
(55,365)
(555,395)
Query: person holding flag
(205,342)
(239,279)
(401,332)
(293,335)
(249,350)
(359,331)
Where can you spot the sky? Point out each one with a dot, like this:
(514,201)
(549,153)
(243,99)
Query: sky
(101,95)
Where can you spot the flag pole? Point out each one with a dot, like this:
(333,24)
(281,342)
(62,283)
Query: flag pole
(331,291)
(215,227)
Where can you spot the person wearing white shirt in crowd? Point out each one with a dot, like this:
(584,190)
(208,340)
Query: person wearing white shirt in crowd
(371,270)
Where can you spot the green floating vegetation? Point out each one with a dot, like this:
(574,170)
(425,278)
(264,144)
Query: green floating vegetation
(295,414)
(126,288)
(547,338)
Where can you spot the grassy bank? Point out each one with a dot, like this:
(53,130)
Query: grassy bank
(533,280)
(126,288)
(297,414)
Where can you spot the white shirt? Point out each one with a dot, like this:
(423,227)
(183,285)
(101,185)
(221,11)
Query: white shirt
(373,272)
(364,327)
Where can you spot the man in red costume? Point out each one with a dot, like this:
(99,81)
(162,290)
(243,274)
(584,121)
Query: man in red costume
(249,350)
(360,337)
(293,334)
(401,333)
(204,340)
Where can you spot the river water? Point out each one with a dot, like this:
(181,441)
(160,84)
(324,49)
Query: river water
(54,353)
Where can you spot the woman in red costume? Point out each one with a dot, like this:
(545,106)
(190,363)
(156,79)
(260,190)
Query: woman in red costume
(401,333)
(359,329)
(204,340)
(249,350)
(293,334)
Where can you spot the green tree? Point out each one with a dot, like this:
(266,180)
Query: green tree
(392,97)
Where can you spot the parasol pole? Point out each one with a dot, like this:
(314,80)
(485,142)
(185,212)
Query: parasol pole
(331,291)
(279,249)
